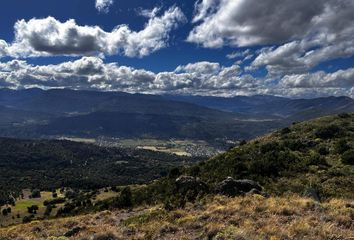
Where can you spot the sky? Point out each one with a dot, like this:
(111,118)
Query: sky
(207,47)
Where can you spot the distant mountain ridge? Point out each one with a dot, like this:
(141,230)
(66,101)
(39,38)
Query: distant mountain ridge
(37,113)
(265,105)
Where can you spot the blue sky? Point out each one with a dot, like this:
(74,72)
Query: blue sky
(205,47)
(121,12)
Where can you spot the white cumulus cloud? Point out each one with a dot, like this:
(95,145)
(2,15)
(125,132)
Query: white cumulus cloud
(48,36)
(295,36)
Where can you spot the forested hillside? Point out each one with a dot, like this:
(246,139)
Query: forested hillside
(48,165)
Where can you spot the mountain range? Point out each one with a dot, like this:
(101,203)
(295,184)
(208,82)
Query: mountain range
(37,113)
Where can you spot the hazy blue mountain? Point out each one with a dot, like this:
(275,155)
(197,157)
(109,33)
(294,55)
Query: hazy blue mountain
(34,113)
(263,106)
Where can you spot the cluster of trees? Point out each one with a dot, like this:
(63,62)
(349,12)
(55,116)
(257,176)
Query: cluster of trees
(32,209)
(47,165)
(6,211)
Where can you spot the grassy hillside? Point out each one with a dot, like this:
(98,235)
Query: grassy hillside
(251,217)
(317,153)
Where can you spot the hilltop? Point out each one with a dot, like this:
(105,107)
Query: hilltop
(317,153)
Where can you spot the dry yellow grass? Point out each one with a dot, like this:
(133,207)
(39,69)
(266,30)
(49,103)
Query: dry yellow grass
(250,217)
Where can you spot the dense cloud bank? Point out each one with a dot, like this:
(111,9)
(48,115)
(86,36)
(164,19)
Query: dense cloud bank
(205,78)
(294,36)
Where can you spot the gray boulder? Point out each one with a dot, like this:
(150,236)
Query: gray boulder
(231,187)
(186,183)
(312,193)
(254,191)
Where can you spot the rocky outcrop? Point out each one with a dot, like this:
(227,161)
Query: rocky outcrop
(186,183)
(231,187)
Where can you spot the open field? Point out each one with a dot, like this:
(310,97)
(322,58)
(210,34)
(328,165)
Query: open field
(180,147)
(20,210)
(77,139)
(175,151)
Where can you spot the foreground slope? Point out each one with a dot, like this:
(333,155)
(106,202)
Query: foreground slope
(251,217)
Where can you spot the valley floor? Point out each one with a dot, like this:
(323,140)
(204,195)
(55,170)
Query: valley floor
(218,217)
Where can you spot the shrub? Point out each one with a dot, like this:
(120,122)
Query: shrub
(35,193)
(27,219)
(322,150)
(70,194)
(328,132)
(243,142)
(48,210)
(53,201)
(4,212)
(317,159)
(124,200)
(344,115)
(32,209)
(195,170)
(341,146)
(295,145)
(269,147)
(126,197)
(174,173)
(105,236)
(285,131)
(348,157)
(67,209)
